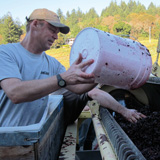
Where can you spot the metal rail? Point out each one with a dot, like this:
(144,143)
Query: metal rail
(123,146)
(107,152)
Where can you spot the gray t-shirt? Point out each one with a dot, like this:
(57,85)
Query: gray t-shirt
(17,62)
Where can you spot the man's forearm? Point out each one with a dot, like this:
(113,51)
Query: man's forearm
(106,100)
(22,91)
(81,88)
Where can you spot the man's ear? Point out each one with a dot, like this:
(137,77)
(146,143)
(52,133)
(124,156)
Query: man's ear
(35,23)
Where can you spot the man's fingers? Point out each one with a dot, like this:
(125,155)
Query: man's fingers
(79,59)
(142,115)
(86,80)
(86,63)
(134,115)
(86,75)
(132,120)
(139,115)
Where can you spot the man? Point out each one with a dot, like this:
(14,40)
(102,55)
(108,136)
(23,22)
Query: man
(28,75)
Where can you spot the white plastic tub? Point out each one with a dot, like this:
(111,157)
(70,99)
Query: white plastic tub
(119,62)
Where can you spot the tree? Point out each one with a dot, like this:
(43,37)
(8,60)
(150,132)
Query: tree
(122,28)
(60,15)
(123,11)
(80,15)
(75,30)
(141,23)
(11,31)
(103,28)
(132,6)
(61,39)
(59,42)
(152,9)
(91,14)
(140,8)
(112,10)
(73,19)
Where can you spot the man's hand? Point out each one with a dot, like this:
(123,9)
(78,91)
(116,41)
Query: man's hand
(76,75)
(133,115)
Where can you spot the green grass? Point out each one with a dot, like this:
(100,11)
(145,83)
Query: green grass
(152,46)
(62,54)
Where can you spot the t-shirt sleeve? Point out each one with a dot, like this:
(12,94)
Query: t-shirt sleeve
(61,69)
(57,67)
(8,65)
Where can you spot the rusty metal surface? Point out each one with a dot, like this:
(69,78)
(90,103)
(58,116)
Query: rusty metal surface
(68,149)
(107,152)
(85,114)
(123,146)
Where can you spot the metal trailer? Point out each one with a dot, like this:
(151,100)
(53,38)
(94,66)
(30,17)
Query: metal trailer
(41,144)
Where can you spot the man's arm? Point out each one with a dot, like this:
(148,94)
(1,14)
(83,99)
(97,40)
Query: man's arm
(22,91)
(107,101)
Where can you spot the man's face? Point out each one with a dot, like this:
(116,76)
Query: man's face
(47,35)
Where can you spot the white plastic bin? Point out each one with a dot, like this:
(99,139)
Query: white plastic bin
(119,62)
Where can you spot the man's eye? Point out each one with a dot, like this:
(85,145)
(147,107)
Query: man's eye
(53,31)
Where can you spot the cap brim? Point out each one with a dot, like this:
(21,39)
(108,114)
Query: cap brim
(63,28)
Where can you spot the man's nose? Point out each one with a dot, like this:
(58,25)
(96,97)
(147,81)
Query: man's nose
(55,36)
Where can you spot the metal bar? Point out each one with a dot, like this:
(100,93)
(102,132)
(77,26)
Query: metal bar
(123,146)
(107,152)
(68,149)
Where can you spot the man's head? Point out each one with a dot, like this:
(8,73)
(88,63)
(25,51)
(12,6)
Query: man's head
(50,17)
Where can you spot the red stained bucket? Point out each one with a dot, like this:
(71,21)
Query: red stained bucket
(119,62)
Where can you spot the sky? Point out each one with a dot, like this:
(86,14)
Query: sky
(19,9)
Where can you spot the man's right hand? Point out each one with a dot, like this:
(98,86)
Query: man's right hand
(76,75)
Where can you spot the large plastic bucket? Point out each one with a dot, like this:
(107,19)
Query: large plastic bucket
(119,62)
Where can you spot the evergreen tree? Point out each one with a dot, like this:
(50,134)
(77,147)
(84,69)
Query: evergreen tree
(11,30)
(91,14)
(112,10)
(140,8)
(61,37)
(152,9)
(158,11)
(80,15)
(123,10)
(67,15)
(73,18)
(132,6)
(60,15)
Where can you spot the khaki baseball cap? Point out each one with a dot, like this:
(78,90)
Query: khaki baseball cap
(50,17)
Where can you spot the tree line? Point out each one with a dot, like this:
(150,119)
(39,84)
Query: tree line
(131,18)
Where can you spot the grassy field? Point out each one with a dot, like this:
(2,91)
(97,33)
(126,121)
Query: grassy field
(62,54)
(152,46)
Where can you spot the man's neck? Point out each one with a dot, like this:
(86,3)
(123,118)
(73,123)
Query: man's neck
(28,44)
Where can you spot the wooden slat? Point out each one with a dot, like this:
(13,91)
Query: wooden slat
(17,152)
